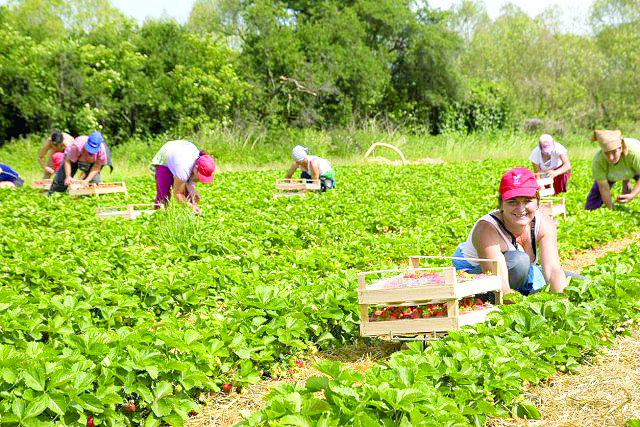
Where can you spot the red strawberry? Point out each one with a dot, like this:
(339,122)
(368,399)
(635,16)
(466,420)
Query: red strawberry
(299,363)
(226,388)
(90,422)
(130,407)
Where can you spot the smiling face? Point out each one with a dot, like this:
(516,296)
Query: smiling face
(613,156)
(519,210)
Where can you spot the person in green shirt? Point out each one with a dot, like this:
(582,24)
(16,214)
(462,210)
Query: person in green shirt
(617,160)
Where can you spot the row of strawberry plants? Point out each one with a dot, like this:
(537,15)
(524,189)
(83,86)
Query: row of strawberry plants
(481,371)
(261,282)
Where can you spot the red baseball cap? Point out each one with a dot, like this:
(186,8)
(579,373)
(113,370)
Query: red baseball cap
(206,167)
(518,182)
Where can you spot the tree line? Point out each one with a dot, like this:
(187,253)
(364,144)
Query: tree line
(81,65)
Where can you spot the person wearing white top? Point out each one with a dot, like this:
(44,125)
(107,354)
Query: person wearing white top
(551,159)
(311,167)
(516,235)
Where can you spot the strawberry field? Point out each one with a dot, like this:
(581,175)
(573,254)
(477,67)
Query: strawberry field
(101,316)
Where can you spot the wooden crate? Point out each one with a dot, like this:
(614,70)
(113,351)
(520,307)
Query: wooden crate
(553,206)
(295,187)
(97,189)
(396,291)
(128,212)
(41,184)
(546,185)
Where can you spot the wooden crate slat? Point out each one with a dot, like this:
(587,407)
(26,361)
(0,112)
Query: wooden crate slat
(41,184)
(128,211)
(398,295)
(294,187)
(97,189)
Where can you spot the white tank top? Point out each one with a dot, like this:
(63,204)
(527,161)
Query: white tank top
(469,251)
(323,165)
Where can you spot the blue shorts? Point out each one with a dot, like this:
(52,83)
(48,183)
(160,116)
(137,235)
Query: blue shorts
(535,280)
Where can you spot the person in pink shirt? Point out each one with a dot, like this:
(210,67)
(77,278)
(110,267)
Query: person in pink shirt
(56,144)
(87,153)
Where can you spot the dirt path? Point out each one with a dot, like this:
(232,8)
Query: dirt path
(559,405)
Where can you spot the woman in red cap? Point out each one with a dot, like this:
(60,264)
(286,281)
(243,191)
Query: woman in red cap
(518,236)
(178,165)
(551,159)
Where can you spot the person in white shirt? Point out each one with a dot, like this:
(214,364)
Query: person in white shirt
(311,167)
(550,158)
(177,166)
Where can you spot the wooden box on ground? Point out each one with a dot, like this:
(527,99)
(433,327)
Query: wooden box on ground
(546,185)
(295,187)
(553,206)
(128,211)
(41,184)
(98,189)
(428,298)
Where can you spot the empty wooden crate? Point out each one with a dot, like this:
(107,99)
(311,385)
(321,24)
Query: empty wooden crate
(295,187)
(97,189)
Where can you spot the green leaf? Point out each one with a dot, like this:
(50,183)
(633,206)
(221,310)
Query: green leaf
(34,378)
(37,406)
(295,420)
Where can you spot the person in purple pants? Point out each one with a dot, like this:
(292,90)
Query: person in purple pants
(177,166)
(617,160)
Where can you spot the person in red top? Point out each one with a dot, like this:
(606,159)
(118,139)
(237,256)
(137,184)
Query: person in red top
(87,153)
(56,144)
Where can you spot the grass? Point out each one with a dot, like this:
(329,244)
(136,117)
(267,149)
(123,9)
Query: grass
(257,149)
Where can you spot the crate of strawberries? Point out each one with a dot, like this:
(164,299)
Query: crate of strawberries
(424,300)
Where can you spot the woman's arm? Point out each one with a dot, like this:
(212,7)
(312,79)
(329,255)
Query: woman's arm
(42,154)
(95,168)
(536,168)
(291,171)
(566,166)
(549,258)
(314,170)
(489,245)
(605,193)
(180,193)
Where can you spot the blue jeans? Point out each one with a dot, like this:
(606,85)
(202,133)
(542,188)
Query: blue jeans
(524,277)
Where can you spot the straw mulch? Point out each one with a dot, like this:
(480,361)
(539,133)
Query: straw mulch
(223,410)
(604,394)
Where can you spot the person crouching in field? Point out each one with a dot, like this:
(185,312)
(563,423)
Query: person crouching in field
(617,160)
(550,158)
(87,153)
(178,165)
(9,178)
(56,144)
(518,236)
(311,167)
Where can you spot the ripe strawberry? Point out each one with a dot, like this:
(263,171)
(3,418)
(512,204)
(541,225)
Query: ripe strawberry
(226,388)
(299,363)
(130,407)
(90,422)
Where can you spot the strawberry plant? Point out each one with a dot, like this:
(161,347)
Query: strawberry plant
(97,314)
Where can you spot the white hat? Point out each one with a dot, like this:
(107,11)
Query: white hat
(299,153)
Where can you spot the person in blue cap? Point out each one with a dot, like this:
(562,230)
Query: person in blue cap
(9,178)
(87,153)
